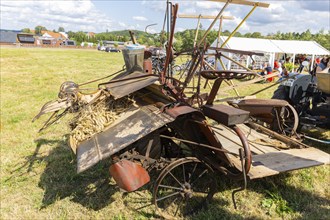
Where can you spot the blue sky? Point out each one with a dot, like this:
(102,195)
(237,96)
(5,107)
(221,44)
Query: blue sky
(101,15)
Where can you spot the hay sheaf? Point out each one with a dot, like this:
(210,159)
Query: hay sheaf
(93,118)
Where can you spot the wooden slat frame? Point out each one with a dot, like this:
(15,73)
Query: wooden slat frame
(243,2)
(206,17)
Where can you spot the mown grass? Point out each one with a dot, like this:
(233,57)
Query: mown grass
(38,176)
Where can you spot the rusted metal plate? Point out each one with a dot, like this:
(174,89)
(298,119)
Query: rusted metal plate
(181,110)
(270,164)
(127,86)
(128,175)
(125,131)
(225,114)
(261,107)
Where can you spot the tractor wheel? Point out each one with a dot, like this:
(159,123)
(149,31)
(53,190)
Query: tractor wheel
(281,93)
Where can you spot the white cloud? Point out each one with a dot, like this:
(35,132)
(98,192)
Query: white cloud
(72,15)
(282,15)
(208,5)
(159,6)
(140,18)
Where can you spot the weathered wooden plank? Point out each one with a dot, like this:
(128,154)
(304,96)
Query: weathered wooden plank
(259,143)
(273,163)
(243,2)
(246,83)
(126,130)
(206,17)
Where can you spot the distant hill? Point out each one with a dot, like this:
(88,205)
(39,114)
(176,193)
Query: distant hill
(6,30)
(126,32)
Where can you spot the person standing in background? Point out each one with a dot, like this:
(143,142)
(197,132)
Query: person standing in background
(269,70)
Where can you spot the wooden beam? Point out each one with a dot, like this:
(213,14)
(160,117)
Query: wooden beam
(206,17)
(243,2)
(244,52)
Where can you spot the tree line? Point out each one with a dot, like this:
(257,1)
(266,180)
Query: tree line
(184,40)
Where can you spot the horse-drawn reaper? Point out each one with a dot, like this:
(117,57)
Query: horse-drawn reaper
(144,121)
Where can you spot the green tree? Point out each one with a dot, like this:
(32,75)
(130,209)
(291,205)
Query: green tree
(178,43)
(256,35)
(142,39)
(307,35)
(238,34)
(61,29)
(226,33)
(80,36)
(38,29)
(26,30)
(71,34)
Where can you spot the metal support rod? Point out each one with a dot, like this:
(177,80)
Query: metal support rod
(170,43)
(237,63)
(198,144)
(197,30)
(241,155)
(99,79)
(239,25)
(317,140)
(261,90)
(212,24)
(218,42)
(289,141)
(226,81)
(241,84)
(222,64)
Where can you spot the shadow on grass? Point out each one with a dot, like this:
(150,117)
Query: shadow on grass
(217,209)
(307,204)
(287,198)
(93,190)
(304,201)
(59,180)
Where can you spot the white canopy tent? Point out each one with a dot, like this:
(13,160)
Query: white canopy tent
(273,47)
(301,47)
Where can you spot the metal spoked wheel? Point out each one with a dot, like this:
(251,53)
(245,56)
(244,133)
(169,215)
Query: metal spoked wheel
(183,188)
(288,120)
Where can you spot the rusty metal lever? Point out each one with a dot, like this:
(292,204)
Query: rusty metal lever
(242,157)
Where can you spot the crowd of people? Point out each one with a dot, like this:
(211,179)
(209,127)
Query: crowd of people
(320,64)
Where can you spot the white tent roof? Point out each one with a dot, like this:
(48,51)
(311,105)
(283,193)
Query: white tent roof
(300,47)
(274,46)
(250,44)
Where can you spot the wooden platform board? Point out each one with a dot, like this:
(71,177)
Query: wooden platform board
(270,156)
(277,162)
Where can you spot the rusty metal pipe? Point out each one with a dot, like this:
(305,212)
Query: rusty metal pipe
(247,151)
(289,141)
(170,43)
(132,78)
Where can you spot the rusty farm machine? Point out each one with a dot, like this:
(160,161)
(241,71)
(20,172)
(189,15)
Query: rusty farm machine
(143,122)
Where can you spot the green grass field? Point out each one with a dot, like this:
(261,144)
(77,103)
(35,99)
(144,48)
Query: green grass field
(38,170)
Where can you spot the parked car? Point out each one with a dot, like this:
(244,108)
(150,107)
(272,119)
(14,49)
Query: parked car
(101,48)
(112,49)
